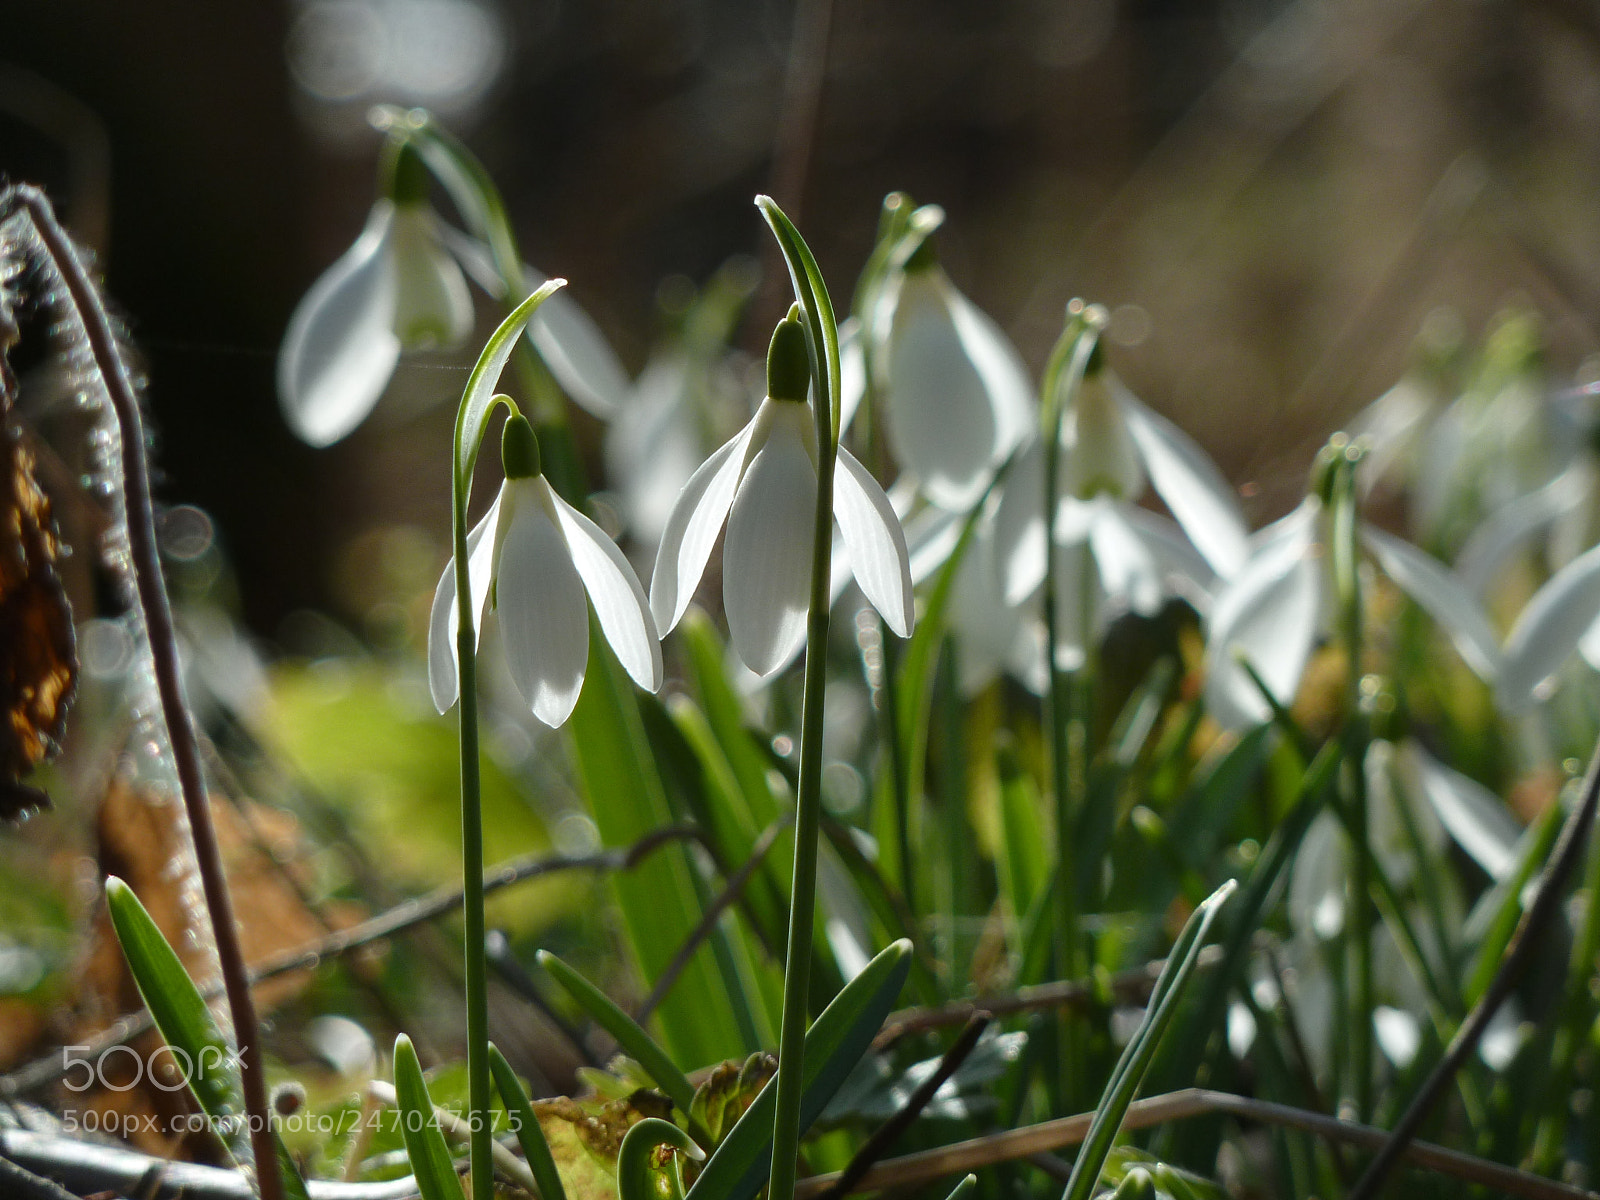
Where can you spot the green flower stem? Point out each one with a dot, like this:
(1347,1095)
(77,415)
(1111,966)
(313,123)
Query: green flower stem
(823,344)
(472,421)
(1063,374)
(1353,776)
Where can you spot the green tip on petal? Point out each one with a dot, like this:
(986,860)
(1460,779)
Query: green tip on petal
(1326,466)
(519,448)
(407,178)
(788,363)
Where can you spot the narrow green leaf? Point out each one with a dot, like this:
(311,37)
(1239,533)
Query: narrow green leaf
(530,1135)
(478,399)
(1494,918)
(1023,865)
(431,1163)
(658,901)
(181,1016)
(633,1040)
(834,1045)
(963,1189)
(1130,1069)
(635,1172)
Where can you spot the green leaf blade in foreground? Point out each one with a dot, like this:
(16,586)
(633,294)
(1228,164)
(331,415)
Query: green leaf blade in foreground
(477,401)
(530,1134)
(632,1040)
(634,1171)
(660,907)
(431,1163)
(1130,1069)
(181,1016)
(834,1045)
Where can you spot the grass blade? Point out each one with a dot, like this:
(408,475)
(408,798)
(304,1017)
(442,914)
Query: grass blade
(431,1163)
(530,1135)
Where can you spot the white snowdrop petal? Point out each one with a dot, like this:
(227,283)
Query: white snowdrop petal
(1098,449)
(766,560)
(931,537)
(1080,604)
(1513,525)
(875,542)
(940,418)
(1474,816)
(1191,486)
(432,307)
(340,349)
(1127,568)
(691,530)
(443,679)
(852,372)
(1269,613)
(1001,368)
(1549,629)
(1019,534)
(575,350)
(1183,571)
(619,602)
(1439,591)
(544,619)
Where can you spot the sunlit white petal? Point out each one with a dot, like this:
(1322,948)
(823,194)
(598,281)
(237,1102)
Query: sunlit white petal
(443,679)
(874,542)
(692,530)
(432,307)
(544,621)
(1474,816)
(619,602)
(566,337)
(1001,368)
(940,418)
(1191,486)
(1514,525)
(1183,571)
(1438,590)
(652,446)
(1127,569)
(575,350)
(1269,614)
(340,348)
(1019,534)
(766,561)
(1098,450)
(852,372)
(1548,630)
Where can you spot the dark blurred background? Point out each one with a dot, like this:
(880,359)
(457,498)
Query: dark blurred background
(1271,195)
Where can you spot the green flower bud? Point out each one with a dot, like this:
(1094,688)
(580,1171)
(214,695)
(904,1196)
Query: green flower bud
(788,363)
(519,449)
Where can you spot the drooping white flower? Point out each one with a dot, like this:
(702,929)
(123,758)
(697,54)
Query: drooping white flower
(954,392)
(763,484)
(1272,611)
(532,558)
(397,289)
(1110,553)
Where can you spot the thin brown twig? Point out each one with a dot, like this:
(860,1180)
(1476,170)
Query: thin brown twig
(961,1157)
(1538,917)
(730,893)
(889,1132)
(151,588)
(42,1072)
(1132,985)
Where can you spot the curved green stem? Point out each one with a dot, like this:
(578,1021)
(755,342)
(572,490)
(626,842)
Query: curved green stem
(1063,374)
(823,343)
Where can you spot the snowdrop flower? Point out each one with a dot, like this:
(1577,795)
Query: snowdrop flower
(955,394)
(1273,610)
(396,290)
(763,484)
(532,558)
(1111,446)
